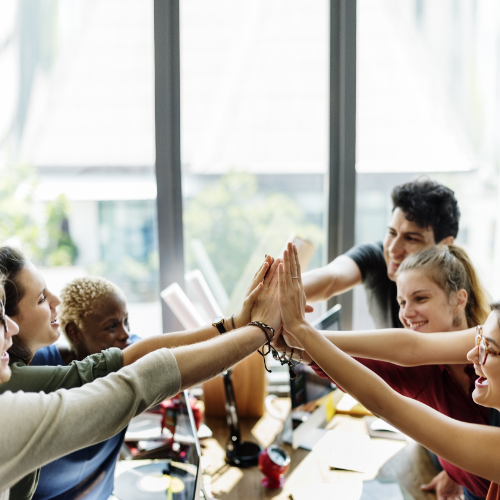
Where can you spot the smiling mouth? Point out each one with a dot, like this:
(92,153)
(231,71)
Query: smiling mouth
(5,354)
(417,325)
(53,322)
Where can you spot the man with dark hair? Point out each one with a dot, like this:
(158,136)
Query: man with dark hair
(425,213)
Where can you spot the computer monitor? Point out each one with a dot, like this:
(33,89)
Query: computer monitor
(177,477)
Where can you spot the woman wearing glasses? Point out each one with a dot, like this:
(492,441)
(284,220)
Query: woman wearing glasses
(453,440)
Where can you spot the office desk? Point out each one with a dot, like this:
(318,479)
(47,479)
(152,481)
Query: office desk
(407,461)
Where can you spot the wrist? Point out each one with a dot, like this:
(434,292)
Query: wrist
(299,331)
(232,323)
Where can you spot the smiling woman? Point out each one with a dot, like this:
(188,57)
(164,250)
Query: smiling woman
(29,303)
(93,317)
(438,291)
(470,452)
(98,313)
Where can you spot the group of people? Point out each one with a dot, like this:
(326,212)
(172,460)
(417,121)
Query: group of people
(431,369)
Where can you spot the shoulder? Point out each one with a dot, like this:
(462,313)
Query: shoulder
(49,355)
(369,257)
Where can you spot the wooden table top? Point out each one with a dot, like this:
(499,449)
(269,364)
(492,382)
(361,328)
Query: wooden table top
(407,461)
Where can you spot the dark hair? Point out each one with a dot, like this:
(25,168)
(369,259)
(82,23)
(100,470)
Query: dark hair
(451,269)
(12,262)
(428,204)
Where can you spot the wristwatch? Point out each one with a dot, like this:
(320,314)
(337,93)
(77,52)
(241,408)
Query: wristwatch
(218,322)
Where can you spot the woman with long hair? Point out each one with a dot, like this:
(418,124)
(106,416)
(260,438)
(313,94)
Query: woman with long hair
(438,291)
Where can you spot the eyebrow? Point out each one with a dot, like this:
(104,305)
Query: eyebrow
(112,318)
(492,341)
(407,233)
(424,290)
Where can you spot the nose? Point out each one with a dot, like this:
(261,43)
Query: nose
(12,327)
(409,311)
(473,355)
(54,301)
(397,246)
(123,333)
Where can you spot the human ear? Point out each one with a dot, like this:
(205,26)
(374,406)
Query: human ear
(73,333)
(462,297)
(449,240)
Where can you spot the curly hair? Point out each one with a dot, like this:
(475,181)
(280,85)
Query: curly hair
(451,269)
(81,298)
(428,204)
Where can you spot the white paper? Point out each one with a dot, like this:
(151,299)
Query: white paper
(349,450)
(347,403)
(375,490)
(182,307)
(381,425)
(198,284)
(342,490)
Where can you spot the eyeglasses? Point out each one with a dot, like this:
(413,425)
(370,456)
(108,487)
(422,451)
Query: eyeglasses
(484,347)
(2,317)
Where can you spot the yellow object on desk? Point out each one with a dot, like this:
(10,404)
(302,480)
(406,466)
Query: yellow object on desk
(349,406)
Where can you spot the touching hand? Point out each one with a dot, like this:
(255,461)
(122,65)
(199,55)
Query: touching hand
(242,316)
(291,292)
(266,308)
(445,487)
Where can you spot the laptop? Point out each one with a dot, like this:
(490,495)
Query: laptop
(177,477)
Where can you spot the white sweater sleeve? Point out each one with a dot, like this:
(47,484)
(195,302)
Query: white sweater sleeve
(37,428)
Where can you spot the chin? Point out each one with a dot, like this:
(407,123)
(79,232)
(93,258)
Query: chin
(481,399)
(55,335)
(5,375)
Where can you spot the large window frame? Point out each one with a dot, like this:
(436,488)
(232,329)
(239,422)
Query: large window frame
(341,183)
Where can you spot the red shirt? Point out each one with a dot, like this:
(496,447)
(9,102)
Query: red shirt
(435,386)
(494,493)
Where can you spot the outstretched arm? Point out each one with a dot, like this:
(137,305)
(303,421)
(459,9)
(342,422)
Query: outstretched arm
(189,337)
(406,347)
(396,345)
(340,275)
(472,447)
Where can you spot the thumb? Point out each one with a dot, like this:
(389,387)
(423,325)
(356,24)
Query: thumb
(428,487)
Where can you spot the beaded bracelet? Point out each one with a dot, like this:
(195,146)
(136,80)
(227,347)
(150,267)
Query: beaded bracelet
(270,349)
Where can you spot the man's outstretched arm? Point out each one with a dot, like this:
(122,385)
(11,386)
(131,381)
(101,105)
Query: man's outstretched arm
(338,277)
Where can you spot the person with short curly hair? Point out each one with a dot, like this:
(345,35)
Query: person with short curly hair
(93,316)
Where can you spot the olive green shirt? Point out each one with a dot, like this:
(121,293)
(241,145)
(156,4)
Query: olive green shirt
(50,379)
(38,428)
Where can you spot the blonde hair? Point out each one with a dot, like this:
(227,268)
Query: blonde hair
(451,269)
(82,297)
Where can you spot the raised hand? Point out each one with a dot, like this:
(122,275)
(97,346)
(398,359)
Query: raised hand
(266,308)
(292,298)
(242,316)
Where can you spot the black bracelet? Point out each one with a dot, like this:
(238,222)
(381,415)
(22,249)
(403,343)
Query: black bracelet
(264,328)
(271,349)
(232,321)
